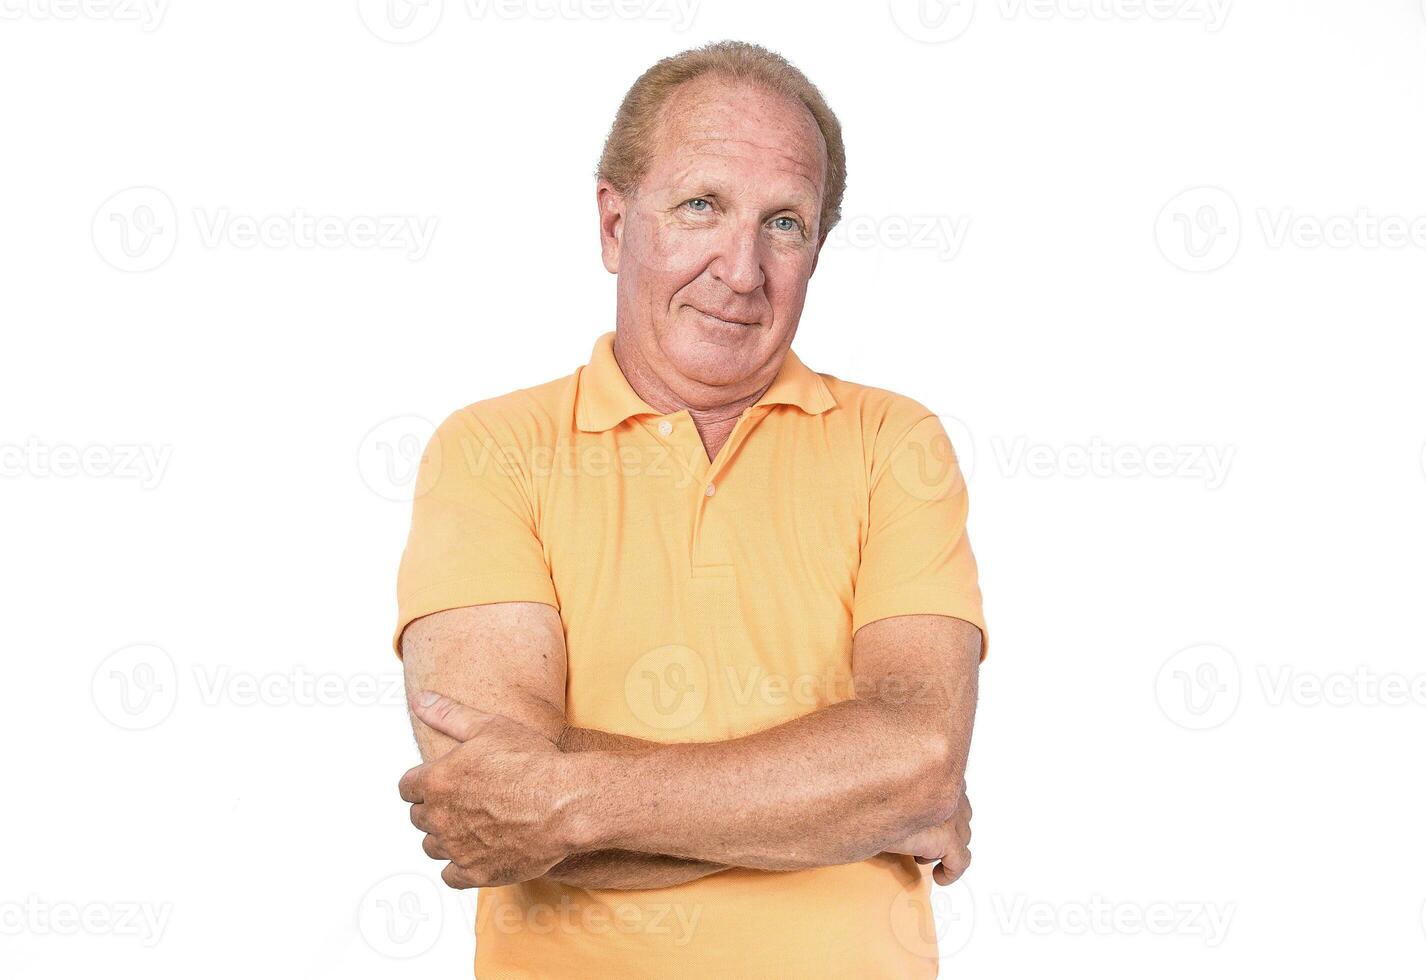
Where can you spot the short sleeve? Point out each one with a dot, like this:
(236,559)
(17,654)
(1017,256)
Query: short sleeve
(473,537)
(917,558)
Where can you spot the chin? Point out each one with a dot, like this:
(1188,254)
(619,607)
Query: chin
(714,353)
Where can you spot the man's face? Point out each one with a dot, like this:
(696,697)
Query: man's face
(714,249)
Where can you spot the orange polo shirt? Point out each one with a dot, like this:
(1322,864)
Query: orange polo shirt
(700,601)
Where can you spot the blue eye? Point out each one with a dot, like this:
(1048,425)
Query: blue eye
(698,200)
(795,223)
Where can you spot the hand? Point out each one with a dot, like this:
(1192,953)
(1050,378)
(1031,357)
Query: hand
(492,806)
(948,843)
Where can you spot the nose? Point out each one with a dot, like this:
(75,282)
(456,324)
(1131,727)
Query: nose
(738,260)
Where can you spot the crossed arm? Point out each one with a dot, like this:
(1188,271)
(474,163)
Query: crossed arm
(509,791)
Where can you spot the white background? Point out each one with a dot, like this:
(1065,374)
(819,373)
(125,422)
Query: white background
(1191,424)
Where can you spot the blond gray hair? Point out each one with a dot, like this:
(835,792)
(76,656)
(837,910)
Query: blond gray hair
(630,145)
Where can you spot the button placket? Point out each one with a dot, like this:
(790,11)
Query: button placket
(664,433)
(716,468)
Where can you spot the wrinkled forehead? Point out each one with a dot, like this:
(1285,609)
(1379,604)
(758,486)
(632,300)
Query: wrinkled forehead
(713,130)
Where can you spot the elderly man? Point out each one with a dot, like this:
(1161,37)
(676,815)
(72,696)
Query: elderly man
(692,634)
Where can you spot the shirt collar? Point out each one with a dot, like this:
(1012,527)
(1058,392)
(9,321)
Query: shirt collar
(604,397)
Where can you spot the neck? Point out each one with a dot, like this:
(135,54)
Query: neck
(714,422)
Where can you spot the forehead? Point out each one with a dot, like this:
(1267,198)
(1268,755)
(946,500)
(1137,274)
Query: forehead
(713,127)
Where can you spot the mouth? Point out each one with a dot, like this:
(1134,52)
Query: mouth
(725,320)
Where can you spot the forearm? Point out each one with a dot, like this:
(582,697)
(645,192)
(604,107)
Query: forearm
(835,786)
(622,869)
(629,870)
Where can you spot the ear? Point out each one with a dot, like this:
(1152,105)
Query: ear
(612,207)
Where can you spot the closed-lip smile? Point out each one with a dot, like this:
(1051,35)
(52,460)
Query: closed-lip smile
(740,323)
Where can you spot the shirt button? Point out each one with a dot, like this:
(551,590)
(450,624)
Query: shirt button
(708,490)
(665,427)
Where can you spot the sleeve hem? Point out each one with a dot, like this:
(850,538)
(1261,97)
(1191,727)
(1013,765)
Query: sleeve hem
(922,602)
(476,591)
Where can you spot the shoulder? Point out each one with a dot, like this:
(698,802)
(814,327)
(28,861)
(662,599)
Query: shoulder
(880,416)
(521,418)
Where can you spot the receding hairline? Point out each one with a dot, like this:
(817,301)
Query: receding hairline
(710,86)
(644,113)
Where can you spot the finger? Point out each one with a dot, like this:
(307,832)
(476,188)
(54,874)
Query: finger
(421,817)
(410,785)
(448,716)
(951,867)
(434,848)
(931,843)
(454,876)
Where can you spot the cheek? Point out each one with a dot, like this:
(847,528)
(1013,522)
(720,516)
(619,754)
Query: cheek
(786,285)
(672,255)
